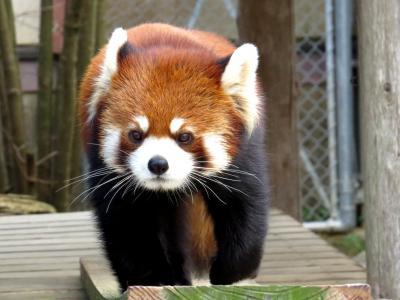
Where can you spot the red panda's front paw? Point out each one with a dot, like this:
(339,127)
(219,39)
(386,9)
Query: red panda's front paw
(222,275)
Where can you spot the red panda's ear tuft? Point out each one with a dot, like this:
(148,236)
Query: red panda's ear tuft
(108,68)
(239,81)
(223,62)
(125,50)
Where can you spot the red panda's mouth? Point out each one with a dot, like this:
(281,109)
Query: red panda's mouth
(159,179)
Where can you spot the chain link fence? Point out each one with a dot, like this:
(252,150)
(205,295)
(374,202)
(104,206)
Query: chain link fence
(317,130)
(316,125)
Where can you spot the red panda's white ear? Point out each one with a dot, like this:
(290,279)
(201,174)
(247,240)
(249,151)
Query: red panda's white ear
(108,68)
(239,82)
(118,38)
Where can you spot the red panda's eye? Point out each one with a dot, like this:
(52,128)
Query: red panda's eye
(185,138)
(135,136)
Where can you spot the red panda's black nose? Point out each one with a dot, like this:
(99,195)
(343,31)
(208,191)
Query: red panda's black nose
(158,165)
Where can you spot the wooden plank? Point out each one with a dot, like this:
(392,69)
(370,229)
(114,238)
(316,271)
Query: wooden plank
(97,278)
(46,217)
(293,229)
(276,211)
(45,295)
(291,235)
(272,292)
(52,251)
(294,243)
(306,269)
(44,242)
(39,274)
(37,254)
(46,260)
(305,278)
(40,284)
(59,230)
(302,262)
(38,236)
(298,256)
(56,266)
(50,247)
(298,248)
(72,223)
(274,223)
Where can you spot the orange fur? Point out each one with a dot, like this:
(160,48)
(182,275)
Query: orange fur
(201,232)
(186,63)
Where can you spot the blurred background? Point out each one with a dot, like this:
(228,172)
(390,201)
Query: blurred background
(310,76)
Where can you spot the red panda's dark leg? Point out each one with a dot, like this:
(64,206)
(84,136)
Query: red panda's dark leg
(141,239)
(240,221)
(240,230)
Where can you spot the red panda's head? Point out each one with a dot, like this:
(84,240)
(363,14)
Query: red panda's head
(168,115)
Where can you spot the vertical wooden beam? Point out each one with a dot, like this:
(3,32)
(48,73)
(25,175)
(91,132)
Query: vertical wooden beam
(45,103)
(379,44)
(269,24)
(6,169)
(12,84)
(67,102)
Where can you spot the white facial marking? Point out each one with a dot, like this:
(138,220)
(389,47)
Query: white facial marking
(176,124)
(109,149)
(239,79)
(143,122)
(180,164)
(216,148)
(108,68)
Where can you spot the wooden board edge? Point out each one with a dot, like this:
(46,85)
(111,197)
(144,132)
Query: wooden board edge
(272,292)
(96,284)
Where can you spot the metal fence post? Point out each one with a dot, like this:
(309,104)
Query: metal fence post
(345,114)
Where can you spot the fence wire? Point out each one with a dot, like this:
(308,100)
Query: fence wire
(316,126)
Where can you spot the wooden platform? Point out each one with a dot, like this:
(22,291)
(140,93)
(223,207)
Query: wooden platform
(39,256)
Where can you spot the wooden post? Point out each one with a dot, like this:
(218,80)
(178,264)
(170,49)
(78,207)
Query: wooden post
(67,102)
(5,163)
(4,185)
(45,105)
(379,44)
(12,85)
(269,25)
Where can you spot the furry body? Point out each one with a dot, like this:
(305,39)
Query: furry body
(137,103)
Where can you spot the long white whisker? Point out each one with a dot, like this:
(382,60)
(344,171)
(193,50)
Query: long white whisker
(227,186)
(125,180)
(129,186)
(195,178)
(93,189)
(91,174)
(211,190)
(137,196)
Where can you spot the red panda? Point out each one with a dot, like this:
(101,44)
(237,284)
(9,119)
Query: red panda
(172,128)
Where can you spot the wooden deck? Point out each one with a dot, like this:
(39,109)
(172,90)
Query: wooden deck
(39,256)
